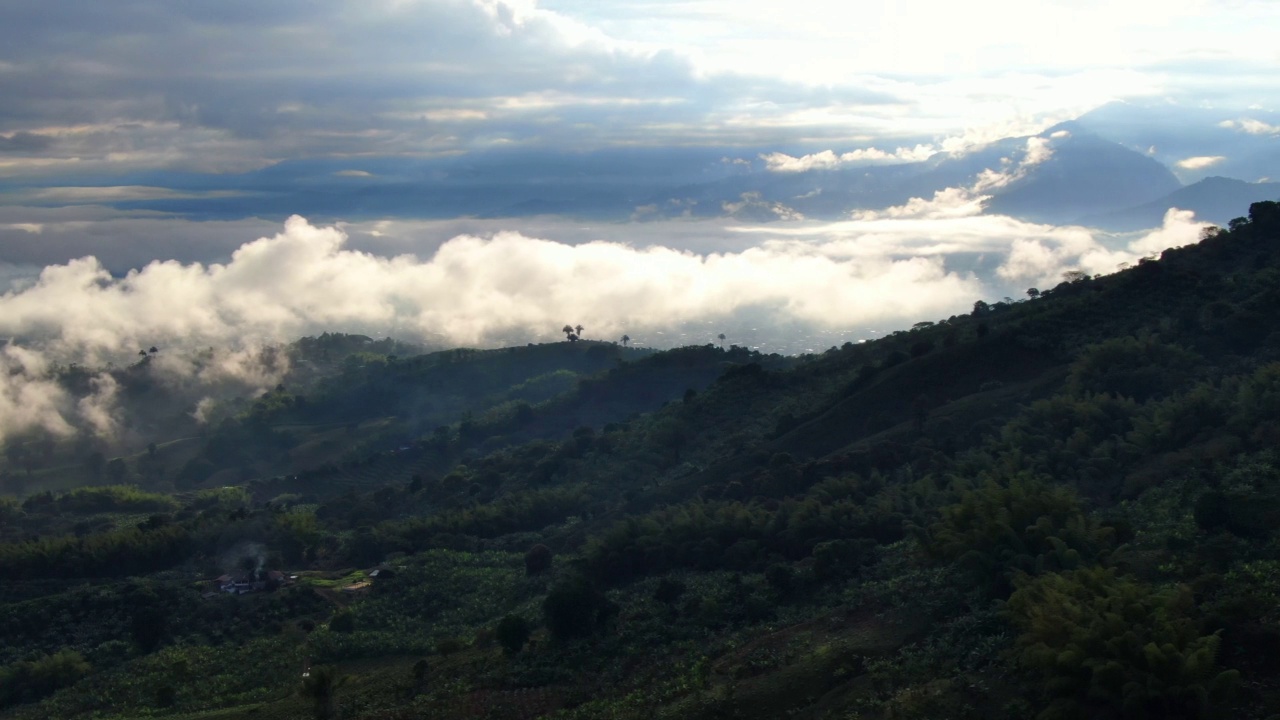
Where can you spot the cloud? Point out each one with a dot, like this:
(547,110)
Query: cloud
(471,290)
(829,160)
(29,398)
(750,206)
(1199,162)
(93,195)
(384,78)
(471,283)
(122,90)
(957,202)
(23,142)
(1250,126)
(354,173)
(1042,261)
(948,203)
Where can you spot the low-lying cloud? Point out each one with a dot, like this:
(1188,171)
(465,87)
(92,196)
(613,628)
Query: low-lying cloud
(217,323)
(1251,126)
(1199,162)
(829,160)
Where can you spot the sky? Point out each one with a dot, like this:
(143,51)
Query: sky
(168,171)
(146,85)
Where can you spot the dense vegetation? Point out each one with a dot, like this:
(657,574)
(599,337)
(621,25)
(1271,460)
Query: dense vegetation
(1063,507)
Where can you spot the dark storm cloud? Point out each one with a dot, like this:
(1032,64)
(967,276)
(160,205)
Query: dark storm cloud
(225,86)
(23,142)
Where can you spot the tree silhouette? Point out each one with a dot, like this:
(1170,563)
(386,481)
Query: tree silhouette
(320,686)
(569,333)
(721,336)
(625,339)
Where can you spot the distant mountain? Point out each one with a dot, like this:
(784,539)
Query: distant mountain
(1114,158)
(1086,174)
(1214,199)
(1241,143)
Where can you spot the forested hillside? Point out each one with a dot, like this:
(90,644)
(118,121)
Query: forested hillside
(1061,507)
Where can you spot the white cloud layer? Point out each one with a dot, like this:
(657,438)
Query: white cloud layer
(1042,261)
(958,202)
(505,287)
(1253,127)
(1199,162)
(829,160)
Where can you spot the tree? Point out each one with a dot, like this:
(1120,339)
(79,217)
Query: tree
(569,333)
(148,627)
(513,632)
(669,591)
(721,337)
(342,622)
(420,670)
(625,339)
(116,470)
(575,608)
(537,560)
(980,308)
(1110,647)
(96,462)
(1033,293)
(578,329)
(320,686)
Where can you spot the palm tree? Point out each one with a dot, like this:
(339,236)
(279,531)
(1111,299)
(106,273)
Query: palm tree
(625,339)
(579,330)
(721,336)
(320,685)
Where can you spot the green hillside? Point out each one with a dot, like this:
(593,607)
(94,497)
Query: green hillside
(1062,507)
